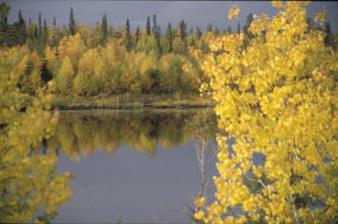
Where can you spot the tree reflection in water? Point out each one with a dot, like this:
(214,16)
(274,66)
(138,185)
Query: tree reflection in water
(80,134)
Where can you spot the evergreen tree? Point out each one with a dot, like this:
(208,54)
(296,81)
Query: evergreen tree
(239,28)
(310,23)
(104,31)
(148,27)
(229,30)
(183,30)
(45,74)
(137,35)
(169,38)
(45,32)
(158,41)
(40,23)
(19,31)
(249,20)
(329,41)
(45,26)
(198,33)
(21,19)
(54,21)
(217,31)
(72,24)
(128,37)
(154,28)
(156,31)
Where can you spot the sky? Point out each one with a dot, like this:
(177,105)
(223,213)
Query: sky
(195,13)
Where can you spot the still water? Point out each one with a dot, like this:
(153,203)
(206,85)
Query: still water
(135,166)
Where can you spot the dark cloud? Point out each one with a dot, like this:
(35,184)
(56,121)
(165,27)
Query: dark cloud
(194,12)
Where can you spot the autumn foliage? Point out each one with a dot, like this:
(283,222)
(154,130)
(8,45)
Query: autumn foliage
(276,99)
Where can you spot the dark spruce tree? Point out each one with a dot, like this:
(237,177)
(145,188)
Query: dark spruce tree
(183,30)
(137,35)
(148,26)
(249,20)
(104,30)
(72,24)
(54,21)
(20,29)
(238,28)
(45,32)
(169,37)
(128,36)
(45,74)
(158,41)
(209,27)
(154,28)
(329,40)
(40,23)
(198,33)
(217,31)
(229,30)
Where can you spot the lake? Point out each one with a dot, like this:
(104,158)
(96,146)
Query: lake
(135,166)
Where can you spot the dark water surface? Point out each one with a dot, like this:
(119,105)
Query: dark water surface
(135,167)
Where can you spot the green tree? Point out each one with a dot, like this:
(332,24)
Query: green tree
(45,32)
(72,23)
(40,23)
(329,40)
(104,31)
(229,30)
(198,33)
(128,36)
(137,35)
(169,38)
(249,20)
(209,27)
(148,26)
(154,28)
(20,29)
(183,30)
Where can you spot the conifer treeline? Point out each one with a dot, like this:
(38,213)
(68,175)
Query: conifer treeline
(89,61)
(20,32)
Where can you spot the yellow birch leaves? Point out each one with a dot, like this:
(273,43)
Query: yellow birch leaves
(277,105)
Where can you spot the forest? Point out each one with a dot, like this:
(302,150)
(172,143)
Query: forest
(82,61)
(273,83)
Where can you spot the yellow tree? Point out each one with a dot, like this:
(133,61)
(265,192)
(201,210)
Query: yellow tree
(65,77)
(92,73)
(277,107)
(73,47)
(29,180)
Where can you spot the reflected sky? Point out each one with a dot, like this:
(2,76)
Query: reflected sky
(129,186)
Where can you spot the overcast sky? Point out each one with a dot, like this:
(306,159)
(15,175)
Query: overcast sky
(193,12)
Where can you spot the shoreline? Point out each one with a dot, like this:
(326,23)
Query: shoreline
(132,102)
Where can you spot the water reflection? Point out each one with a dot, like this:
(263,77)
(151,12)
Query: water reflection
(80,134)
(30,187)
(158,161)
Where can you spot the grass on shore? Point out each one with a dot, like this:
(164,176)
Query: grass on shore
(131,101)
